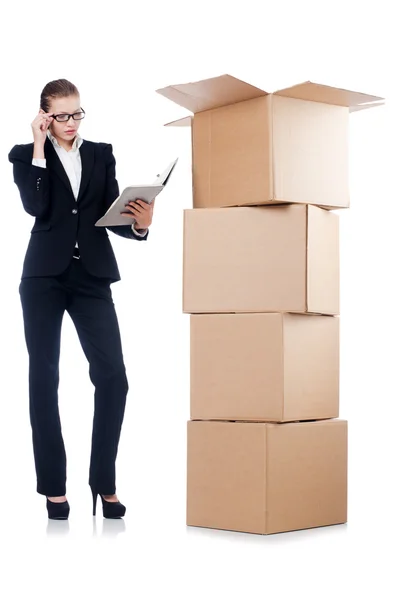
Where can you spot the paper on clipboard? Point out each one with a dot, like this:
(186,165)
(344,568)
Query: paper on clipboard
(114,216)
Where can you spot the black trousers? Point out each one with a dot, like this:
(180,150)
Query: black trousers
(88,300)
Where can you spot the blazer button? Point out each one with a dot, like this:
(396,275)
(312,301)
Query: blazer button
(74,211)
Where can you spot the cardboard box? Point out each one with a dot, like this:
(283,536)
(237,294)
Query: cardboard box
(264,367)
(266,478)
(251,147)
(261,259)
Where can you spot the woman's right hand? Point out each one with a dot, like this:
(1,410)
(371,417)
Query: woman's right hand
(40,125)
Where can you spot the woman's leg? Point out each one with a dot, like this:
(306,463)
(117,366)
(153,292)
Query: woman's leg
(93,313)
(43,304)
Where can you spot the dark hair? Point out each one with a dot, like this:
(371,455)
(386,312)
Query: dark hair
(60,88)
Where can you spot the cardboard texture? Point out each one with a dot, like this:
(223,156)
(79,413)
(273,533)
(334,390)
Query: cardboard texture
(266,452)
(261,259)
(251,147)
(266,478)
(264,367)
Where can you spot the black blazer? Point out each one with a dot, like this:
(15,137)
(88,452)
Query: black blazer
(61,220)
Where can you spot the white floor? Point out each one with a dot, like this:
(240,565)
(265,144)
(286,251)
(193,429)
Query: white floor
(151,553)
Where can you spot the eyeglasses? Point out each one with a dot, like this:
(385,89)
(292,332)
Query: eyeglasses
(76,116)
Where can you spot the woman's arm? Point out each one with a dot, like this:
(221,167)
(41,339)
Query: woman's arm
(112,192)
(31,180)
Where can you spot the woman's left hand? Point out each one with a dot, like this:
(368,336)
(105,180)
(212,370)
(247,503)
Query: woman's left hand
(141,211)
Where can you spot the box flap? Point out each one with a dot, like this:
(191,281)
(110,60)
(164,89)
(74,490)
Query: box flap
(184,122)
(367,105)
(211,93)
(330,95)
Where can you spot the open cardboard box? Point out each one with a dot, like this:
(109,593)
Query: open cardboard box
(252,147)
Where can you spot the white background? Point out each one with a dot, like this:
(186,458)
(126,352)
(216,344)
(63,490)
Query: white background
(117,56)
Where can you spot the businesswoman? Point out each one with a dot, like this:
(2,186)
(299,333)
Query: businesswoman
(67,184)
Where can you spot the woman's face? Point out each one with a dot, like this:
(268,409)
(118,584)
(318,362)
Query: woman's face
(69,105)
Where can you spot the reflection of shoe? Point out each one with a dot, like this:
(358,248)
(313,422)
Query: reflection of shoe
(111,510)
(58,510)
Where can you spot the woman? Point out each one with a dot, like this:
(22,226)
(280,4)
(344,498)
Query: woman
(67,184)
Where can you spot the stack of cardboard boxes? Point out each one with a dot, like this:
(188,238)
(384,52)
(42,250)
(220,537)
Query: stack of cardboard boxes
(266,449)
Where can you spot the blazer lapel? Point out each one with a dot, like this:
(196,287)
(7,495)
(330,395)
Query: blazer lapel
(87,164)
(55,164)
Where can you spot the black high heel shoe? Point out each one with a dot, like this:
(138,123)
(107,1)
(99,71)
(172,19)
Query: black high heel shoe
(58,510)
(111,510)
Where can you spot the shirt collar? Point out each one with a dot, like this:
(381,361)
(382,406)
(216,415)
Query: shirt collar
(78,140)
